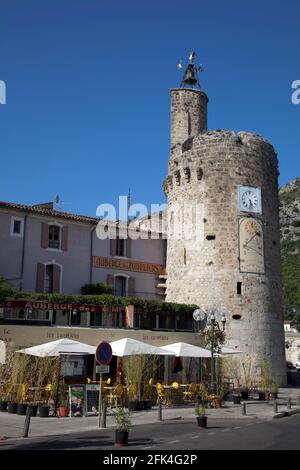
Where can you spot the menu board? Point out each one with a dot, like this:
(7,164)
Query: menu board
(92,398)
(72,366)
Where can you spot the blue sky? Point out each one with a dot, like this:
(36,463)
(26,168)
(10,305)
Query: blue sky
(88,81)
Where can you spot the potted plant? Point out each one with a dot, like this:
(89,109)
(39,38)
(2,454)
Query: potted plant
(274,389)
(3,399)
(44,410)
(123,423)
(266,381)
(200,411)
(63,407)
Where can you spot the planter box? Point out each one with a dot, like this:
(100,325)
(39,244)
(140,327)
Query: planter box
(133,405)
(274,396)
(202,421)
(44,411)
(245,395)
(33,410)
(121,438)
(261,396)
(3,405)
(12,408)
(147,404)
(21,409)
(236,400)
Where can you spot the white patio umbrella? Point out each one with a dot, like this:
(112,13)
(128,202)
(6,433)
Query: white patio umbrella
(130,347)
(187,350)
(59,347)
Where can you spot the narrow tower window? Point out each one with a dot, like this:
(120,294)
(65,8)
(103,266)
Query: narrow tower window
(184,256)
(239,288)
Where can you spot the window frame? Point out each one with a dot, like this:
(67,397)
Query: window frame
(12,223)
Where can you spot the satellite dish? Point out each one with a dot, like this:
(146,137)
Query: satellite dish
(199,315)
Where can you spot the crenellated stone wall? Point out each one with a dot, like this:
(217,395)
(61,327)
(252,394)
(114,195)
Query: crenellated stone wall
(206,171)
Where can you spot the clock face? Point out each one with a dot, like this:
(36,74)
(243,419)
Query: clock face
(249,199)
(251,246)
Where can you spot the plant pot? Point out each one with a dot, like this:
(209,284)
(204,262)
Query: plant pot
(133,405)
(63,411)
(141,405)
(267,396)
(244,394)
(21,409)
(3,405)
(147,404)
(202,421)
(121,438)
(33,410)
(275,395)
(218,402)
(236,400)
(44,411)
(262,396)
(12,408)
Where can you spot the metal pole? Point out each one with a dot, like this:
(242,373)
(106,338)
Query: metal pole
(159,411)
(289,404)
(244,410)
(100,400)
(27,422)
(275,406)
(103,414)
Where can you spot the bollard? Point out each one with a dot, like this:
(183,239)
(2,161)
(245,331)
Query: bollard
(289,404)
(159,411)
(244,409)
(103,414)
(27,422)
(298,401)
(275,406)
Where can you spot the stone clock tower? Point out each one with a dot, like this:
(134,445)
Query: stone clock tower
(234,259)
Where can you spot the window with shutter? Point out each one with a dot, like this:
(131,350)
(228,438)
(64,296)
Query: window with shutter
(40,274)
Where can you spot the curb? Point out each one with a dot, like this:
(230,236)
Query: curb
(283,414)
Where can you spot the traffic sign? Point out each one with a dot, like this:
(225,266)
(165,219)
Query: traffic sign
(103,353)
(102,369)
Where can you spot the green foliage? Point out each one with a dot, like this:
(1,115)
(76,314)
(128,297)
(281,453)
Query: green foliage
(105,300)
(96,289)
(5,289)
(122,418)
(296,223)
(290,254)
(266,379)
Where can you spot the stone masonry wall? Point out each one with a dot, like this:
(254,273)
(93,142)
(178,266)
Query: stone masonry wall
(207,170)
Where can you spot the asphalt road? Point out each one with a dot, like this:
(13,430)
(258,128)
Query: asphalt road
(276,434)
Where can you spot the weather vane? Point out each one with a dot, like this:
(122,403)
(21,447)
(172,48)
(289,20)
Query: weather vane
(190,77)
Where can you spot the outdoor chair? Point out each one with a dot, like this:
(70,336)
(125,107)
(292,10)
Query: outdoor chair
(161,396)
(116,396)
(189,394)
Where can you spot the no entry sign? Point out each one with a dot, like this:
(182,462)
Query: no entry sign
(103,353)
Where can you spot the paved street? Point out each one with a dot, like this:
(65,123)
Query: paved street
(180,435)
(227,429)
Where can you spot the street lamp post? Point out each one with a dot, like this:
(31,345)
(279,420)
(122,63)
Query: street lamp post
(215,329)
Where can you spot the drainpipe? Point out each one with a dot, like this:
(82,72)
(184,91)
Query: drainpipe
(91,257)
(23,252)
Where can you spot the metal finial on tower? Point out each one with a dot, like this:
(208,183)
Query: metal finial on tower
(190,77)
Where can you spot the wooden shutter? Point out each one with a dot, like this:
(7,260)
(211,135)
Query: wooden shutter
(56,278)
(40,277)
(128,247)
(110,281)
(131,287)
(64,238)
(45,235)
(113,247)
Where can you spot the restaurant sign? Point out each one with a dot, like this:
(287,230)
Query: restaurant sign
(128,265)
(34,305)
